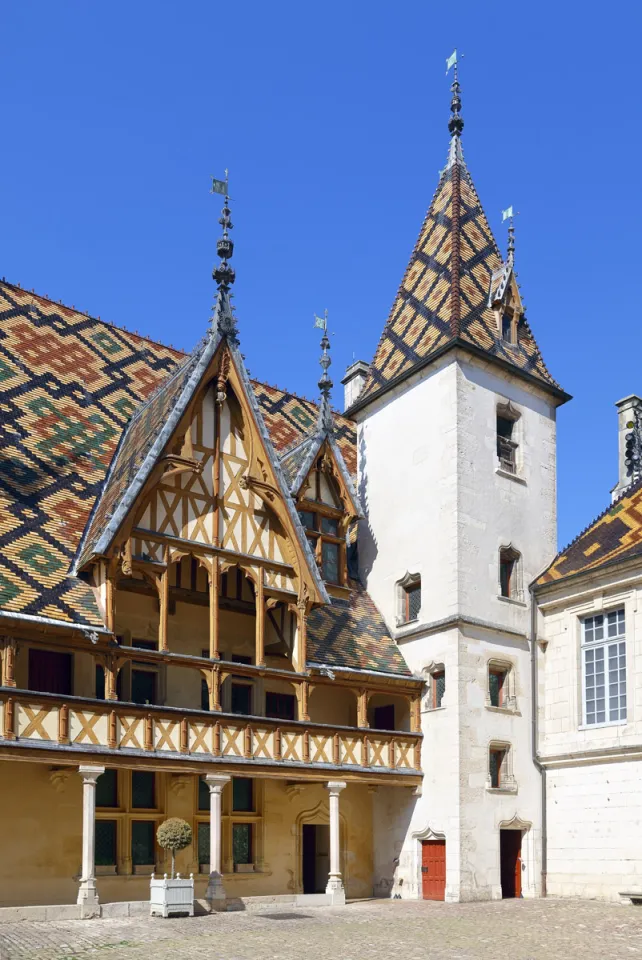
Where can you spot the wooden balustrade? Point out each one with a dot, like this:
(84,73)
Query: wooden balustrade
(44,719)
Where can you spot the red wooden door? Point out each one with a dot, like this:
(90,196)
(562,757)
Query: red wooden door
(433,869)
(518,864)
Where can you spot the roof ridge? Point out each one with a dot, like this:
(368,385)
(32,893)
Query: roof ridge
(89,316)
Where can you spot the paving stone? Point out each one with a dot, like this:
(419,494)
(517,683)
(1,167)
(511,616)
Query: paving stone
(369,930)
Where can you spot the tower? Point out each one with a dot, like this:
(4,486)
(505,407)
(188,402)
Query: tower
(457,475)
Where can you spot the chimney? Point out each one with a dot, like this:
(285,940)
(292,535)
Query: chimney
(629,411)
(353,382)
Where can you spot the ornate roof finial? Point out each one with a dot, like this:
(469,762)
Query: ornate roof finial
(509,215)
(456,123)
(223,273)
(325,383)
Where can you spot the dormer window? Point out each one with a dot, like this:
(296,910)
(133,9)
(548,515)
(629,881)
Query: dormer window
(508,326)
(322,515)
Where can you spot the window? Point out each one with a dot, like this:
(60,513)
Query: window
(508,322)
(143,843)
(330,561)
(106,832)
(241,843)
(242,795)
(509,574)
(203,843)
(280,706)
(144,676)
(203,795)
(438,687)
(496,764)
(107,789)
(322,515)
(507,445)
(604,667)
(242,698)
(497,686)
(49,671)
(409,599)
(143,790)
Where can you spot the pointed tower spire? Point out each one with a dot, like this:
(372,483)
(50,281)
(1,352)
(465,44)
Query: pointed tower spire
(325,420)
(223,273)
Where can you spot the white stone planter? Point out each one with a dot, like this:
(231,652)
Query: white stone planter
(167,897)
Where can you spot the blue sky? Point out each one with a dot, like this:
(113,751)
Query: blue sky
(333,121)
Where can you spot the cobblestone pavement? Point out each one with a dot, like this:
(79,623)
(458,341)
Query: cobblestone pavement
(370,930)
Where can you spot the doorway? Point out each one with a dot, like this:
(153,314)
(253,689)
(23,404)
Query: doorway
(316,857)
(433,869)
(510,859)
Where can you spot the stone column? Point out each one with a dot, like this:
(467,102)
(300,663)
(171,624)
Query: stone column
(215,893)
(335,883)
(87,894)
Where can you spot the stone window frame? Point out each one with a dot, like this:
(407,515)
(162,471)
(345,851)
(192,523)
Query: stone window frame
(124,814)
(511,467)
(592,644)
(507,782)
(429,672)
(407,583)
(509,687)
(516,586)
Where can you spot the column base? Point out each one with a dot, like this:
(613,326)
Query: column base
(335,890)
(215,893)
(88,900)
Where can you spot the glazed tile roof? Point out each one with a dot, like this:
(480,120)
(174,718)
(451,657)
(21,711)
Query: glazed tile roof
(69,384)
(615,535)
(351,632)
(444,295)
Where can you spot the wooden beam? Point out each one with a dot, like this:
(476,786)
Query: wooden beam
(362,708)
(214,577)
(260,622)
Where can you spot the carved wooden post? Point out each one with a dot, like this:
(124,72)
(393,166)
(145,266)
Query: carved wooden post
(63,724)
(303,691)
(111,672)
(9,672)
(415,714)
(9,724)
(362,708)
(215,689)
(302,635)
(163,597)
(214,577)
(260,621)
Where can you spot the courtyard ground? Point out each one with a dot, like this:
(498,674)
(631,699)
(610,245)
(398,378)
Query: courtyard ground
(368,930)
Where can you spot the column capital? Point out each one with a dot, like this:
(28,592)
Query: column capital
(216,781)
(335,787)
(90,772)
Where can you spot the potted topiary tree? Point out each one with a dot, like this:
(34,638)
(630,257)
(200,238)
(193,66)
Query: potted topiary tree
(172,895)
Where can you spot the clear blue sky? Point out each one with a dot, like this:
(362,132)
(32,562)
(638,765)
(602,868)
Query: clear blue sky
(332,119)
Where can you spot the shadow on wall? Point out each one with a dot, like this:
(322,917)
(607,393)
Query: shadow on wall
(392,812)
(367,551)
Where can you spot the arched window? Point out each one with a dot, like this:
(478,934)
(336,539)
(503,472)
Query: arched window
(408,598)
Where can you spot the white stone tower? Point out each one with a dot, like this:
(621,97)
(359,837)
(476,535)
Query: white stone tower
(457,475)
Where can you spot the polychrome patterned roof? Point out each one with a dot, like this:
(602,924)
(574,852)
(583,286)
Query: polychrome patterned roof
(69,384)
(615,535)
(352,632)
(443,297)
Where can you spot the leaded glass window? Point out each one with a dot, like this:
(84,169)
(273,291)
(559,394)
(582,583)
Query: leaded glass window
(496,687)
(242,843)
(438,687)
(495,764)
(107,789)
(242,794)
(604,665)
(143,846)
(330,561)
(203,843)
(106,843)
(143,790)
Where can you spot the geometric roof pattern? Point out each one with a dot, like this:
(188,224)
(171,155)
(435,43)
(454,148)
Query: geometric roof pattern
(353,631)
(443,299)
(615,535)
(69,385)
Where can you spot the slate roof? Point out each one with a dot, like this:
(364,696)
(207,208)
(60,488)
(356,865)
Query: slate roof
(352,631)
(444,294)
(615,535)
(69,384)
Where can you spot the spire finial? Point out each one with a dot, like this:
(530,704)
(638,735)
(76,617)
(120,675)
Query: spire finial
(223,273)
(325,383)
(509,214)
(456,123)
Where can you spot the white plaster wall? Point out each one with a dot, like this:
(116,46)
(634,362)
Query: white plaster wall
(594,830)
(436,505)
